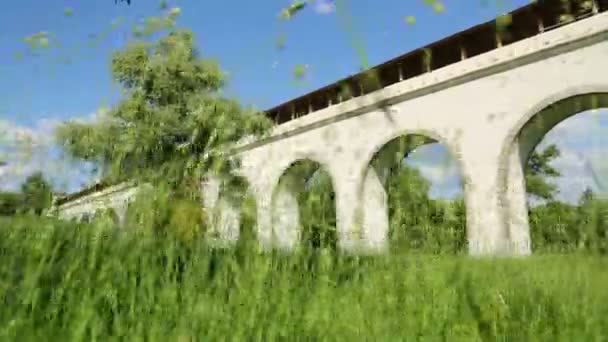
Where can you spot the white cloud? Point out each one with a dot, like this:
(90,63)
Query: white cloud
(4,169)
(577,170)
(587,127)
(325,6)
(582,140)
(27,150)
(38,135)
(575,179)
(437,165)
(437,173)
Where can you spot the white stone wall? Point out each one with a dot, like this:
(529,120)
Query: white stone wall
(116,198)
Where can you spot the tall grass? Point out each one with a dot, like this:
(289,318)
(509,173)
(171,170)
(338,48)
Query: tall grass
(66,281)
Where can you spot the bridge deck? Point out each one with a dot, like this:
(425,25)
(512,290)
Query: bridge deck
(525,22)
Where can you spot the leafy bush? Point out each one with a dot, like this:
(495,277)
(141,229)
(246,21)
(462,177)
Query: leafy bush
(186,220)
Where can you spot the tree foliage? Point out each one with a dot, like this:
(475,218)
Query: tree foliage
(418,222)
(172,119)
(37,193)
(10,203)
(35,196)
(318,208)
(538,169)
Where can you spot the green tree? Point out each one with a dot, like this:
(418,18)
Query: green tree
(586,199)
(37,193)
(409,207)
(318,211)
(538,168)
(10,203)
(592,223)
(554,227)
(172,120)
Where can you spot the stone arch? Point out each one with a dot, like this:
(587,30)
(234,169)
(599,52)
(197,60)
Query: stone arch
(523,139)
(239,204)
(128,212)
(113,214)
(85,218)
(547,102)
(230,209)
(288,193)
(372,216)
(432,136)
(109,213)
(576,99)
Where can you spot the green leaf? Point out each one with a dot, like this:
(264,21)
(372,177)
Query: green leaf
(300,71)
(175,11)
(439,7)
(293,9)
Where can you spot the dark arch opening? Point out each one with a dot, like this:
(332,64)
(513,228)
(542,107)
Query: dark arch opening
(304,201)
(562,217)
(108,213)
(423,186)
(531,134)
(86,218)
(130,214)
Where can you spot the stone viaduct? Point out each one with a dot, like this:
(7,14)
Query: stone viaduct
(83,205)
(488,94)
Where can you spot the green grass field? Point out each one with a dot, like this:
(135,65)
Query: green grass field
(62,281)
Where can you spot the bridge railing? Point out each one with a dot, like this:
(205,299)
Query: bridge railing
(522,23)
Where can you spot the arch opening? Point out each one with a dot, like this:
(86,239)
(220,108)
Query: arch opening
(107,214)
(229,210)
(412,197)
(558,177)
(131,217)
(86,218)
(237,206)
(304,208)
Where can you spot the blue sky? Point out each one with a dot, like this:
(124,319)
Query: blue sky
(39,91)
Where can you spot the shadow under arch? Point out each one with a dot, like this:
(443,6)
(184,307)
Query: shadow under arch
(229,210)
(85,218)
(238,198)
(534,130)
(107,213)
(386,160)
(304,207)
(522,141)
(399,142)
